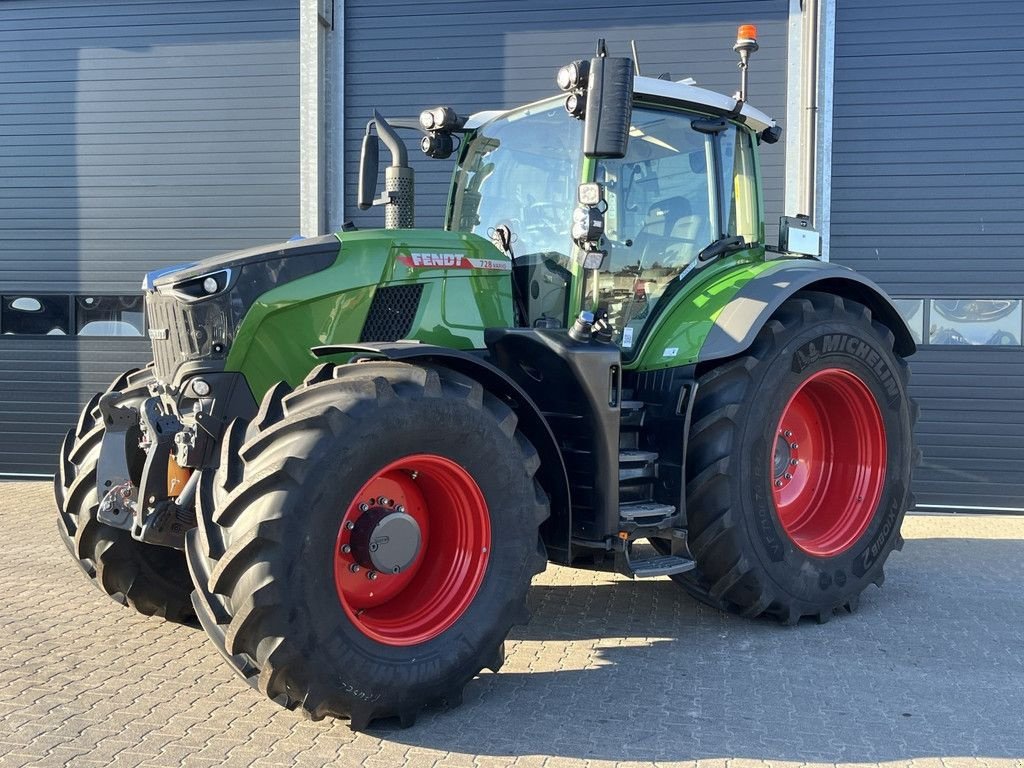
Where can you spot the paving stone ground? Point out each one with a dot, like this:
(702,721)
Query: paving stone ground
(929,672)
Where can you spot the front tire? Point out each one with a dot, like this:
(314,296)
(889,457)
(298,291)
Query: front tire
(799,464)
(152,580)
(414,475)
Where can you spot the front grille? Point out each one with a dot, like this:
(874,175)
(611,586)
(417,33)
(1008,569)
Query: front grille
(181,332)
(392,312)
(164,322)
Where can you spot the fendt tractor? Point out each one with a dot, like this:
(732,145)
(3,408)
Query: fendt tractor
(351,453)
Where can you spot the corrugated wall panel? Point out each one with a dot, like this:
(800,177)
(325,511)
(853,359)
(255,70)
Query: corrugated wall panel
(133,134)
(140,134)
(403,56)
(926,188)
(42,387)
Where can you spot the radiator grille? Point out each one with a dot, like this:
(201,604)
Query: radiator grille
(392,312)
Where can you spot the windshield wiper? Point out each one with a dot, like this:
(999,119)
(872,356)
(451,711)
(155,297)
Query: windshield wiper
(722,247)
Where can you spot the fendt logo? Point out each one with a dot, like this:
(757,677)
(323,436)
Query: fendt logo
(422,260)
(434,260)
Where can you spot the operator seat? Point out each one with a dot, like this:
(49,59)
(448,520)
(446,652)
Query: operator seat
(670,234)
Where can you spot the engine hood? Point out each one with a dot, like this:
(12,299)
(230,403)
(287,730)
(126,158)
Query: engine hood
(171,275)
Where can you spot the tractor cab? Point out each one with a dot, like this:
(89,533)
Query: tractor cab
(686,181)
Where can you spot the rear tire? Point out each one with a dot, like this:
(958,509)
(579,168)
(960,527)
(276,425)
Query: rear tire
(279,592)
(152,580)
(799,464)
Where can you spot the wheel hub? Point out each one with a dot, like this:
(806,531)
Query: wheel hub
(385,540)
(412,549)
(828,462)
(786,457)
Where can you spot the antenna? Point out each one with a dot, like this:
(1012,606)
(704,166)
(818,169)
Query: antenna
(636,58)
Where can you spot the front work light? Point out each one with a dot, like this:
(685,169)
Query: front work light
(573,75)
(439,119)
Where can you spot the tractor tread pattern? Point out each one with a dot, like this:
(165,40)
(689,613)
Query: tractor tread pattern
(232,548)
(736,587)
(152,580)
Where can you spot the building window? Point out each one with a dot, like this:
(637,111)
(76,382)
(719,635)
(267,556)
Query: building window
(912,312)
(109,316)
(988,322)
(72,315)
(35,315)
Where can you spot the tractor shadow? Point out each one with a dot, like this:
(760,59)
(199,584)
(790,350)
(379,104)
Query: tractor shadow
(932,665)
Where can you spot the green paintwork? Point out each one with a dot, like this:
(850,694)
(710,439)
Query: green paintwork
(330,307)
(678,333)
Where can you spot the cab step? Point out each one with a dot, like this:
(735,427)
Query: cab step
(645,513)
(660,565)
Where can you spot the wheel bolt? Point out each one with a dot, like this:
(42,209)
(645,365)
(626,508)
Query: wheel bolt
(371,575)
(794,462)
(778,483)
(364,507)
(345,549)
(400,509)
(354,567)
(787,433)
(349,525)
(382,501)
(794,446)
(788,476)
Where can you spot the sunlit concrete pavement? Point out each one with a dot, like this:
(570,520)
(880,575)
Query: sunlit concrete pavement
(930,671)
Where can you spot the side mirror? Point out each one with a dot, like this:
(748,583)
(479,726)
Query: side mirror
(368,167)
(609,107)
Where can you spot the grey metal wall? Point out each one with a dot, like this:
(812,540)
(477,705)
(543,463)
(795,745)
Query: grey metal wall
(927,179)
(405,55)
(133,134)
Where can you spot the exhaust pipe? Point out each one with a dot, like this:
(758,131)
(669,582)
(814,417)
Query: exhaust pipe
(398,198)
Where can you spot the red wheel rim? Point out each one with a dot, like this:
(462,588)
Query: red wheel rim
(828,462)
(427,595)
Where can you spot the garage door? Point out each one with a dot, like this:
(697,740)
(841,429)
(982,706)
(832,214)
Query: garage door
(928,175)
(133,134)
(405,55)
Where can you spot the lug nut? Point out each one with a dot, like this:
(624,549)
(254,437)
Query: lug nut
(787,433)
(794,462)
(349,525)
(354,568)
(345,549)
(364,507)
(788,476)
(382,501)
(372,575)
(778,483)
(794,446)
(400,509)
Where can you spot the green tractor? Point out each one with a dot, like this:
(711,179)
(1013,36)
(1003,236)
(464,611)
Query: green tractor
(352,453)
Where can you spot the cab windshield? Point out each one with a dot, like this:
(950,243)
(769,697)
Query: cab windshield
(664,208)
(522,170)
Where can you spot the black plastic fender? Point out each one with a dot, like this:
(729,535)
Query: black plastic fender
(743,317)
(551,474)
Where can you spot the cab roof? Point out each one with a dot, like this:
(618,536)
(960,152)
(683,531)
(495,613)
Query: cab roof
(682,93)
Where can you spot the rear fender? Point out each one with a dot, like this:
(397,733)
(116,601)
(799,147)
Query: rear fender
(739,321)
(552,474)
